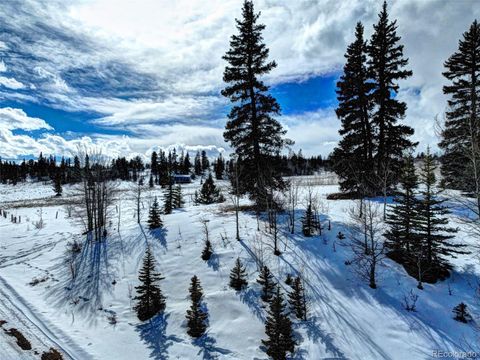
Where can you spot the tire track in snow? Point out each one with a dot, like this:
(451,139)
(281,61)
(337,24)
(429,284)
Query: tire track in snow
(13,305)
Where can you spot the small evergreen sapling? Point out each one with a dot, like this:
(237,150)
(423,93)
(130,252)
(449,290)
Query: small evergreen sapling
(196,316)
(207,250)
(278,329)
(209,193)
(289,280)
(238,276)
(309,222)
(461,313)
(150,300)
(154,220)
(265,278)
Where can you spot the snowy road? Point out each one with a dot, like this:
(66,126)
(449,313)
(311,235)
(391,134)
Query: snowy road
(18,314)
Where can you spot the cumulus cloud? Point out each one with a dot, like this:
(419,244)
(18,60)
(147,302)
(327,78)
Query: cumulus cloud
(12,119)
(145,64)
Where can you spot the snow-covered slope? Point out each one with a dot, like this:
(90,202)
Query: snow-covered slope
(347,319)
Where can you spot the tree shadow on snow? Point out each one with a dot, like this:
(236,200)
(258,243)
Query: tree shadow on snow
(94,276)
(208,350)
(160,235)
(153,333)
(252,300)
(214,262)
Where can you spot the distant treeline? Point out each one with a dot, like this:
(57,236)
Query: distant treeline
(162,164)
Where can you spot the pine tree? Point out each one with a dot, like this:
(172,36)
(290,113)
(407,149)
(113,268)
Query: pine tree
(154,163)
(198,164)
(207,250)
(403,217)
(434,232)
(278,329)
(265,278)
(353,157)
(177,198)
(461,313)
(461,135)
(251,130)
(57,184)
(154,220)
(298,300)
(238,276)
(150,300)
(209,193)
(205,162)
(219,167)
(173,199)
(196,316)
(309,222)
(386,66)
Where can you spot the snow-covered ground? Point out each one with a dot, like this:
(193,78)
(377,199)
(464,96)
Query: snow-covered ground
(347,319)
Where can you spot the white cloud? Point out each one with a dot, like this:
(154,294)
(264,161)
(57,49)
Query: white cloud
(11,83)
(12,119)
(160,62)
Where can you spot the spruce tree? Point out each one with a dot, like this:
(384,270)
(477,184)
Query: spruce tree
(207,250)
(353,157)
(265,278)
(278,329)
(461,134)
(238,276)
(310,223)
(154,220)
(209,193)
(297,299)
(150,300)
(461,313)
(172,198)
(434,232)
(177,198)
(252,131)
(403,217)
(196,316)
(57,184)
(386,67)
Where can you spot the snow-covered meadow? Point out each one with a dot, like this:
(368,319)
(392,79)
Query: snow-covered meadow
(91,317)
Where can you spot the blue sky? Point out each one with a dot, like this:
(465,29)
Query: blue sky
(130,77)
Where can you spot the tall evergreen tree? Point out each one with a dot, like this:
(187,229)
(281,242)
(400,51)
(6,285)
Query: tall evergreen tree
(205,161)
(252,130)
(265,278)
(297,299)
(461,135)
(238,276)
(278,329)
(57,183)
(154,220)
(196,316)
(353,157)
(403,216)
(154,163)
(386,67)
(173,198)
(198,164)
(150,300)
(434,231)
